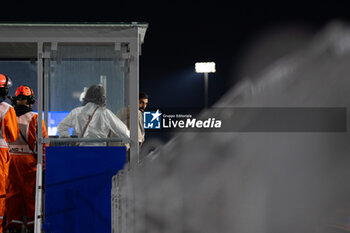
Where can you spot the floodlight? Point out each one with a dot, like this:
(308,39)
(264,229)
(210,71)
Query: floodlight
(205,67)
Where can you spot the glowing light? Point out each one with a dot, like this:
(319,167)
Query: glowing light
(205,67)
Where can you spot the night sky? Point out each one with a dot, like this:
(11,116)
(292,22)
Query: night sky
(242,38)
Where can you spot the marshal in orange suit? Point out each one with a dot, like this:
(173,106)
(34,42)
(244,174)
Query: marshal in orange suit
(22,174)
(8,132)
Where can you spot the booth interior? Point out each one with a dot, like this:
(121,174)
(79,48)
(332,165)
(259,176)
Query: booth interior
(77,180)
(69,70)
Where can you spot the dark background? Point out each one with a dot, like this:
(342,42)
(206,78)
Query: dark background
(242,38)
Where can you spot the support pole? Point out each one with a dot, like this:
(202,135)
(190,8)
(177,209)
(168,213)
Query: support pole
(206,90)
(38,189)
(134,99)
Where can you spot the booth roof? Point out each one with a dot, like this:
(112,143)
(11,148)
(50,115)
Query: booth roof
(19,40)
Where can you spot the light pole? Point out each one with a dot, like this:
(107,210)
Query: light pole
(206,68)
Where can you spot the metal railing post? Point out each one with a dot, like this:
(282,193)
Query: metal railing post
(38,189)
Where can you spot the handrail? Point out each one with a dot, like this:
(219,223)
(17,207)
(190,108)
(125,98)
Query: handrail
(67,140)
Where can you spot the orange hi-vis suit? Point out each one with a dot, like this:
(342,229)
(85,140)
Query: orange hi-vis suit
(22,177)
(8,132)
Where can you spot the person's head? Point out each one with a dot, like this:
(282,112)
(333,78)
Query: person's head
(5,83)
(95,94)
(143,101)
(24,96)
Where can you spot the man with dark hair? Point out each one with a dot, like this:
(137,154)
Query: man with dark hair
(143,101)
(93,119)
(124,115)
(95,94)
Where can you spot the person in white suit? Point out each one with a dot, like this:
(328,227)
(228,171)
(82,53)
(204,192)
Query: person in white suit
(93,119)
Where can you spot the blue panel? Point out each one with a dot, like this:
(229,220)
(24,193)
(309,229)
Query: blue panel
(78,188)
(54,119)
